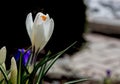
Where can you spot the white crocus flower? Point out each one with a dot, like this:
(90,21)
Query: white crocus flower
(40,30)
(2,55)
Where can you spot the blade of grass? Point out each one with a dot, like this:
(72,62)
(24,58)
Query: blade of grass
(76,81)
(40,75)
(39,79)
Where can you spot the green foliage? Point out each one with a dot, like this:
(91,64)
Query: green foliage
(39,71)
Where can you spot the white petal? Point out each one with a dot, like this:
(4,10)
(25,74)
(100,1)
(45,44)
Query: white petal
(3,54)
(48,28)
(29,24)
(13,64)
(38,37)
(38,20)
(51,28)
(13,69)
(47,17)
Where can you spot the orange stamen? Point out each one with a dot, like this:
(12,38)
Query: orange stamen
(43,17)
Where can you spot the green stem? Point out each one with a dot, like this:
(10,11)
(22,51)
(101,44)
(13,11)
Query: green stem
(19,72)
(3,72)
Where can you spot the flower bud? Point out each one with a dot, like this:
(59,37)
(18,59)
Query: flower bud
(13,72)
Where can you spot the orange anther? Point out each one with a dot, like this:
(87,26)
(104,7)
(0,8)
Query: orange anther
(43,17)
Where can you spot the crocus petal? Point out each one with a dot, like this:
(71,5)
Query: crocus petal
(48,28)
(26,57)
(47,17)
(38,20)
(2,54)
(38,37)
(29,24)
(13,69)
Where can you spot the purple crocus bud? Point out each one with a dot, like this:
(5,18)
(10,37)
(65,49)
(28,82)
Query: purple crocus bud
(108,72)
(25,57)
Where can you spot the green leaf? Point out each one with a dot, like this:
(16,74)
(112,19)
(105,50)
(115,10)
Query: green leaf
(1,81)
(41,72)
(76,81)
(25,78)
(25,74)
(56,57)
(4,73)
(52,57)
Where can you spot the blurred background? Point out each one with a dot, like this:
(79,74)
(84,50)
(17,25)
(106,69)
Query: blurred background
(98,58)
(94,24)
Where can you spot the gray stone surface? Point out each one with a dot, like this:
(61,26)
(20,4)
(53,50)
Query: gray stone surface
(103,16)
(104,25)
(103,8)
(101,53)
